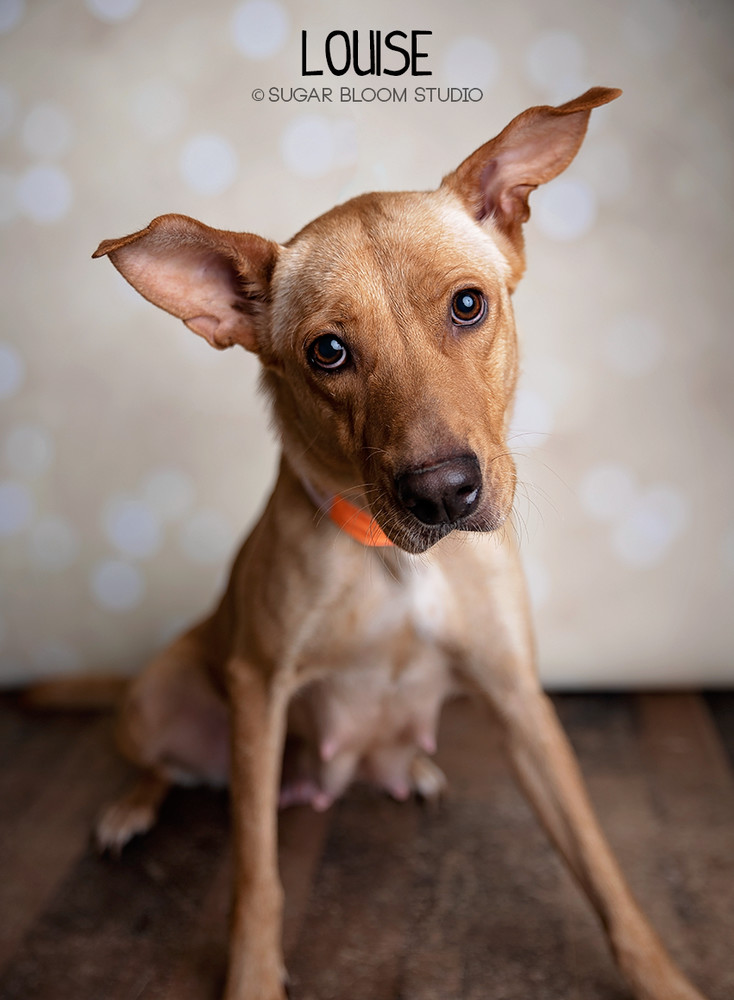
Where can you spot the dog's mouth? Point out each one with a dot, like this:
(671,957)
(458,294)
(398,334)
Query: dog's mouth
(411,534)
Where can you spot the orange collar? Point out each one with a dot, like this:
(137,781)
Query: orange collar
(358,524)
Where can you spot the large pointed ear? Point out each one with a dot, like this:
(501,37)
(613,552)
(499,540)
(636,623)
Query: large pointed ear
(217,282)
(496,180)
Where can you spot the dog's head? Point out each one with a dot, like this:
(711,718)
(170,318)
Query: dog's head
(385,327)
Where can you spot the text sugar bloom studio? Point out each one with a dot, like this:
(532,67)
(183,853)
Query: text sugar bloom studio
(375,54)
(369,95)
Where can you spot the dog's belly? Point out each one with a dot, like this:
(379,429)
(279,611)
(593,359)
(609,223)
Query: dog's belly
(372,714)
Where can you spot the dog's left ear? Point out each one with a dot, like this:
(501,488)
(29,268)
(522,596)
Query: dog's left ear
(496,180)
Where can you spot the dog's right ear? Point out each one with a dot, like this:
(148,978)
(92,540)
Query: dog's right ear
(217,282)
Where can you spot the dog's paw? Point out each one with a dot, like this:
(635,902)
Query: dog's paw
(428,780)
(131,815)
(122,821)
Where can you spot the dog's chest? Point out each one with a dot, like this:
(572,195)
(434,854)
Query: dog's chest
(419,598)
(387,673)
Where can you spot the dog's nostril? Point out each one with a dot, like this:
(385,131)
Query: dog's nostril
(442,493)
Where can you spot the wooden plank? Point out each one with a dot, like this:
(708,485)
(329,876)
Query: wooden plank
(302,837)
(356,924)
(200,971)
(31,745)
(40,838)
(474,884)
(465,902)
(384,900)
(117,928)
(692,791)
(721,706)
(601,730)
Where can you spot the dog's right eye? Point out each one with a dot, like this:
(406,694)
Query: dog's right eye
(328,352)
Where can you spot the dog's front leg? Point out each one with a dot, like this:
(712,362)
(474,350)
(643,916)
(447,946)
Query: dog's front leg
(500,666)
(258,719)
(549,774)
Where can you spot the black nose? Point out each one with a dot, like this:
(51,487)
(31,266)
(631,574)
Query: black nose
(441,493)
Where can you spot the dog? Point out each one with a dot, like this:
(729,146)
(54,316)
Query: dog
(380,579)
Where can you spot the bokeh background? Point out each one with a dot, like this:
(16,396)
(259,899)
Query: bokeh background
(133,457)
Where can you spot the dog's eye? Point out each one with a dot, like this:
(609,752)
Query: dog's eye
(468,307)
(328,352)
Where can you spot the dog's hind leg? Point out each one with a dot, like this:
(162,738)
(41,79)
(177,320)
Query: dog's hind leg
(174,726)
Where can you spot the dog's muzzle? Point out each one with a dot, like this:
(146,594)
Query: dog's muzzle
(443,493)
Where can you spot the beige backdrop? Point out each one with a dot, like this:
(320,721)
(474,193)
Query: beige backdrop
(132,456)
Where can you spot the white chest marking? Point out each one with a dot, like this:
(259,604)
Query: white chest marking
(429,599)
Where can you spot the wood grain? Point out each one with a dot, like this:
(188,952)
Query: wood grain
(385,901)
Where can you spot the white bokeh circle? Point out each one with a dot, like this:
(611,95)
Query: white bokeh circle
(44,193)
(47,131)
(117,585)
(169,492)
(532,419)
(565,210)
(112,11)
(471,62)
(132,527)
(53,544)
(12,371)
(28,450)
(158,109)
(207,538)
(208,164)
(633,345)
(607,491)
(345,145)
(657,517)
(16,508)
(307,146)
(11,14)
(260,28)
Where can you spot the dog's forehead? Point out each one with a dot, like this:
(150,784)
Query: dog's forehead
(382,247)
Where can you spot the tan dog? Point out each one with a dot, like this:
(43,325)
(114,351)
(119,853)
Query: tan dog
(386,336)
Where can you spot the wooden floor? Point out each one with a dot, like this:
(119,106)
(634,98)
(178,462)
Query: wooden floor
(384,901)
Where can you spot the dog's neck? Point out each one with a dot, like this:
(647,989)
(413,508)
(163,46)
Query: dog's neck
(354,521)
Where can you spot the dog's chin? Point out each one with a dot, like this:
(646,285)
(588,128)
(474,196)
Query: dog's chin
(415,537)
(418,538)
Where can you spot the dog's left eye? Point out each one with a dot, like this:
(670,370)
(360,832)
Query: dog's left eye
(328,352)
(468,307)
